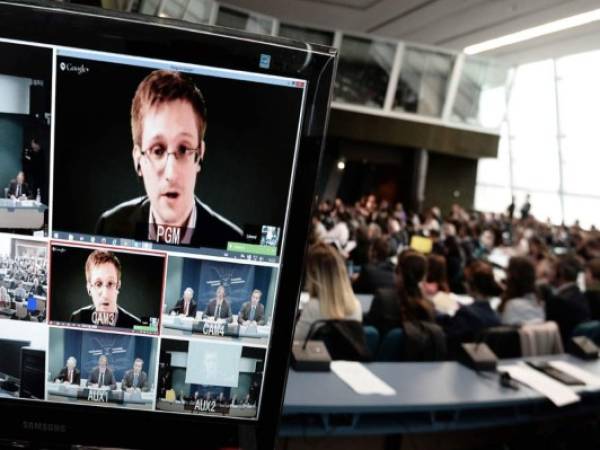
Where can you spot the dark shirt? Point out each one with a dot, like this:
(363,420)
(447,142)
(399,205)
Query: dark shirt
(568,308)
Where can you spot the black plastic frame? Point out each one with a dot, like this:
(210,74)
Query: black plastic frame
(91,28)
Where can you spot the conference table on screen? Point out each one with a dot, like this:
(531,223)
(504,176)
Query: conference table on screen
(208,326)
(21,214)
(82,393)
(430,397)
(226,410)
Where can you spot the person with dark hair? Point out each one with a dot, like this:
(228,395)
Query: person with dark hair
(470,320)
(103,282)
(391,307)
(521,303)
(168,124)
(435,286)
(568,307)
(592,287)
(379,273)
(219,307)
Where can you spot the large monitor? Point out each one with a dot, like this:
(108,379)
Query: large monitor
(157,183)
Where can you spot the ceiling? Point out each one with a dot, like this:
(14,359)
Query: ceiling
(452,24)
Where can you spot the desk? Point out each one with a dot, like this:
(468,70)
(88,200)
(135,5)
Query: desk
(26,214)
(186,326)
(72,393)
(431,397)
(231,410)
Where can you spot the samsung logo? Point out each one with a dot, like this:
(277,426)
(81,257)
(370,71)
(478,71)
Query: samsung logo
(43,426)
(79,69)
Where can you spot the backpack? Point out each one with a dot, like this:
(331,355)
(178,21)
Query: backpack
(424,341)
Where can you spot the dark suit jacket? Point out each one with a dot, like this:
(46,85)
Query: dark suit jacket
(12,189)
(568,308)
(259,314)
(130,220)
(375,276)
(63,375)
(225,312)
(124,320)
(142,381)
(109,378)
(469,321)
(178,308)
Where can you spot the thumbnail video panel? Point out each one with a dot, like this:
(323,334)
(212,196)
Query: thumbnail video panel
(100,287)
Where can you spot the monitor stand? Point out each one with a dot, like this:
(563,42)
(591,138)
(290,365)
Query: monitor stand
(9,386)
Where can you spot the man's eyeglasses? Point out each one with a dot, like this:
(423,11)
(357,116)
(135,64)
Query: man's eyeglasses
(158,154)
(110,285)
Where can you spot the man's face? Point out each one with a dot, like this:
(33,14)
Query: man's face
(70,364)
(187,295)
(102,363)
(220,293)
(103,285)
(137,366)
(255,299)
(170,183)
(20,178)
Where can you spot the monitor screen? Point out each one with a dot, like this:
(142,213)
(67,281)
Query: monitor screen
(152,212)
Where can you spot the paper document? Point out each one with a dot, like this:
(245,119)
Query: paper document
(558,393)
(587,377)
(361,379)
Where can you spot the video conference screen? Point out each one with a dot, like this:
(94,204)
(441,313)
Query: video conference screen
(142,217)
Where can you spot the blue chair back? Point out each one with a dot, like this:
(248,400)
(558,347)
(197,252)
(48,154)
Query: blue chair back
(391,346)
(590,329)
(372,338)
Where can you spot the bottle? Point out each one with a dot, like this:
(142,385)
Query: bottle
(38,197)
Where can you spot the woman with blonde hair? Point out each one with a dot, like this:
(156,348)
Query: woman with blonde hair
(328,284)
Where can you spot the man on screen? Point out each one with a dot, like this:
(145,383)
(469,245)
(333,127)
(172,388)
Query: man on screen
(135,379)
(102,376)
(186,306)
(70,373)
(168,123)
(219,307)
(252,311)
(103,276)
(18,188)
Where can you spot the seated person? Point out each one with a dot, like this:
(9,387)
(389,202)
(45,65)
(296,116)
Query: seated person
(521,304)
(221,400)
(186,305)
(103,275)
(102,376)
(435,286)
(252,311)
(568,307)
(37,288)
(592,286)
(69,374)
(4,297)
(331,296)
(18,188)
(135,379)
(20,292)
(469,321)
(219,307)
(379,273)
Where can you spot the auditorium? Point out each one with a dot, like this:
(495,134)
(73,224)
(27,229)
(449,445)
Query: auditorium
(310,224)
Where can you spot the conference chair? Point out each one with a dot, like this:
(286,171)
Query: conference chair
(372,338)
(589,329)
(391,348)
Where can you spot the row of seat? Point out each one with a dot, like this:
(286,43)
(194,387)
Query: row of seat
(504,341)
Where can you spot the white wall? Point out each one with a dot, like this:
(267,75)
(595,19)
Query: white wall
(18,330)
(14,94)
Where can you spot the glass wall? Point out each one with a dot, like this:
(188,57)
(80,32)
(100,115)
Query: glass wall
(306,34)
(364,71)
(232,18)
(423,81)
(549,143)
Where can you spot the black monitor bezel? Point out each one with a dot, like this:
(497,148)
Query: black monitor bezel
(91,28)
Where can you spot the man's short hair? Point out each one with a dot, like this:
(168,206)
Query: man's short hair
(568,268)
(257,291)
(104,357)
(163,86)
(99,257)
(188,289)
(72,358)
(138,360)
